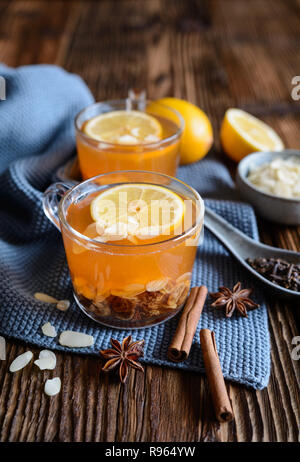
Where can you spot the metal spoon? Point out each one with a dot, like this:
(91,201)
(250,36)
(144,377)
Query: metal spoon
(242,247)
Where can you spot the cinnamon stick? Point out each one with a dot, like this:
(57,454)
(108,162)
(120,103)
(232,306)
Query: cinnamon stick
(180,346)
(215,377)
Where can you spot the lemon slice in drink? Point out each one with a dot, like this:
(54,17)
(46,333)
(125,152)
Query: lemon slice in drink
(242,133)
(124,127)
(137,211)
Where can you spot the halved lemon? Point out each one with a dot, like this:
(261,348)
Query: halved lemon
(242,133)
(137,211)
(124,127)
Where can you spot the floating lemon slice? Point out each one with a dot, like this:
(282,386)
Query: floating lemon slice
(242,133)
(124,127)
(137,211)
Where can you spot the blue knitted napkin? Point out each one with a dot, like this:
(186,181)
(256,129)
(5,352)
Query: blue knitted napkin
(36,138)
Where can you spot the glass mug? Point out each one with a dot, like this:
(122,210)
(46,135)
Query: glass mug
(126,286)
(96,157)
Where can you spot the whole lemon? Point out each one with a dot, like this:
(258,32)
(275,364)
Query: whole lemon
(197,137)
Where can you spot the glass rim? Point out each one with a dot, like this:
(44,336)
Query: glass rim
(98,244)
(120,146)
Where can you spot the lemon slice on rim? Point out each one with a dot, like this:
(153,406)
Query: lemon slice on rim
(137,211)
(124,127)
(242,133)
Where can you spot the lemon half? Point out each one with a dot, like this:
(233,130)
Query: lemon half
(124,127)
(137,211)
(242,133)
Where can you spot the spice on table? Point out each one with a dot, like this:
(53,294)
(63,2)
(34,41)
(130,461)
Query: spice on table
(49,330)
(235,299)
(47,360)
(63,305)
(278,271)
(75,339)
(52,386)
(45,298)
(220,398)
(123,355)
(180,346)
(21,361)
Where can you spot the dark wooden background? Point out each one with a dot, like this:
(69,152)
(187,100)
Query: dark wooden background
(217,54)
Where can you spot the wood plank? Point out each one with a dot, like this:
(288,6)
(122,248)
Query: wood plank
(216,54)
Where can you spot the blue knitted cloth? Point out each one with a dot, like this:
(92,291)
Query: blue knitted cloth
(36,137)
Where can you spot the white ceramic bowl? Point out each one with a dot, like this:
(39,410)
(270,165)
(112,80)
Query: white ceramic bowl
(274,208)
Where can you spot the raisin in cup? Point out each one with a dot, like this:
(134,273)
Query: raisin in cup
(126,286)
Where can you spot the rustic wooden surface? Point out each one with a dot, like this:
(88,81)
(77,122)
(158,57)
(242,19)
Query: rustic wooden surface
(216,54)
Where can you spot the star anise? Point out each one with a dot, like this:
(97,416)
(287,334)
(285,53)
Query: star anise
(123,355)
(235,299)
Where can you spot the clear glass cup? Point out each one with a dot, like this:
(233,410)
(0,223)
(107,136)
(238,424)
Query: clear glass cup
(97,157)
(126,286)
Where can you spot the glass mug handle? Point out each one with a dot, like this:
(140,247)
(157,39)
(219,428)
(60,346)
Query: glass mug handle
(51,199)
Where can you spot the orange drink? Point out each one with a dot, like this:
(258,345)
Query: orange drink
(116,135)
(130,240)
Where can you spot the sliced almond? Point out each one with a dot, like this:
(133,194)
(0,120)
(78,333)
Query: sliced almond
(73,339)
(47,360)
(87,291)
(184,277)
(21,361)
(134,289)
(101,297)
(49,330)
(176,294)
(129,291)
(79,246)
(158,284)
(78,249)
(63,305)
(100,283)
(45,363)
(154,313)
(45,298)
(2,349)
(110,238)
(132,239)
(168,288)
(118,293)
(52,386)
(47,354)
(172,305)
(100,309)
(91,230)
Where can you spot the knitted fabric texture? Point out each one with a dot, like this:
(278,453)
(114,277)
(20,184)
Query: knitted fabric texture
(37,137)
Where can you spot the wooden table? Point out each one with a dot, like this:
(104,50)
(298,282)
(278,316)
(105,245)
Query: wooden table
(217,54)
